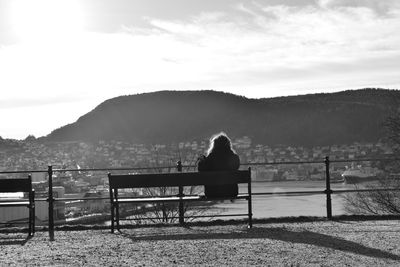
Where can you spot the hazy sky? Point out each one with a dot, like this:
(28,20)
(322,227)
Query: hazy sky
(59,59)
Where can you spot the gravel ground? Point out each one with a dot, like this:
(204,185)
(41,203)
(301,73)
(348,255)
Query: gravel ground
(326,243)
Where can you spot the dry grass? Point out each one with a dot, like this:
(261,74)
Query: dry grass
(323,243)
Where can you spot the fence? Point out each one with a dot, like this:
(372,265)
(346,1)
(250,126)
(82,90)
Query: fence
(328,192)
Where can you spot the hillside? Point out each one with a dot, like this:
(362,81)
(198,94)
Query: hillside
(174,116)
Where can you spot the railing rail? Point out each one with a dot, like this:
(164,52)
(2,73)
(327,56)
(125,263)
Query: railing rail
(328,191)
(194,166)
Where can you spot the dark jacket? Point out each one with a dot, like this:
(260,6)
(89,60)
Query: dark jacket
(227,161)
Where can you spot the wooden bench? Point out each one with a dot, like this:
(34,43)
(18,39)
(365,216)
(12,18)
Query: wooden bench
(20,185)
(179,180)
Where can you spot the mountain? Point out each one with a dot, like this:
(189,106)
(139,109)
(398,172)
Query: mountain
(175,116)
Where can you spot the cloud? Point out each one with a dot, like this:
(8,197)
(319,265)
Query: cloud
(379,7)
(267,38)
(249,38)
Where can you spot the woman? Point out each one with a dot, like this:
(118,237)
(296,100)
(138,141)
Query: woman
(220,157)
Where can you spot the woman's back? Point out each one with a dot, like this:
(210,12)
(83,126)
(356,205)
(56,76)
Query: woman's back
(220,158)
(219,162)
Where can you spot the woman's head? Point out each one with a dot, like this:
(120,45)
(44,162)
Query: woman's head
(220,143)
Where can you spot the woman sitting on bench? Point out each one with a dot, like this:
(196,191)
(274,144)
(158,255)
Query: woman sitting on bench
(220,157)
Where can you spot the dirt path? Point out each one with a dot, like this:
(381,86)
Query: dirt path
(346,243)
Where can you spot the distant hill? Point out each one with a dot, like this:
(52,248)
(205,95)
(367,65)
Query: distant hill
(175,116)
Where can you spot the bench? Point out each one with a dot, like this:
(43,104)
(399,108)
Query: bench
(20,185)
(179,180)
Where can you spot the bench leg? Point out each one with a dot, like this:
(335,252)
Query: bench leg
(181,207)
(30,221)
(117,216)
(112,217)
(33,220)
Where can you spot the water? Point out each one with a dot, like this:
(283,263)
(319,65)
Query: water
(270,206)
(273,206)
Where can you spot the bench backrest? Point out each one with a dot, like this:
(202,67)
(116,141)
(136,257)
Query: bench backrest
(178,179)
(16,185)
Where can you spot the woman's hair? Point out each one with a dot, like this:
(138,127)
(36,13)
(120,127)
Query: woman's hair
(220,143)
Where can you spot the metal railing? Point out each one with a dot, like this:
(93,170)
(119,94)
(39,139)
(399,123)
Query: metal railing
(328,191)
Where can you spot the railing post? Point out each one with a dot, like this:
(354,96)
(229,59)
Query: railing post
(328,190)
(180,195)
(249,201)
(50,199)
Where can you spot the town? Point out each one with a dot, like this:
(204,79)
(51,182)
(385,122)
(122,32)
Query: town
(31,154)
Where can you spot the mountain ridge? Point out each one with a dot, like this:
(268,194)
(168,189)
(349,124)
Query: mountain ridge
(174,116)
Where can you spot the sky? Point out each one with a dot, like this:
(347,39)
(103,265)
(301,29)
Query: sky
(59,59)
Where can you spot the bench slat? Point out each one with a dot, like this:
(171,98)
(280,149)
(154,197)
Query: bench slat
(178,179)
(15,185)
(14,204)
(176,199)
(145,200)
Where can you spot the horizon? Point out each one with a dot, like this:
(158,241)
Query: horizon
(56,69)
